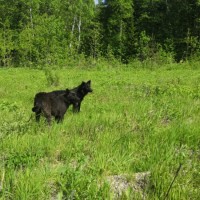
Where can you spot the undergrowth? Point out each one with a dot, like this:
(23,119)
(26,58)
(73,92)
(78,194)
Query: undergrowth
(136,120)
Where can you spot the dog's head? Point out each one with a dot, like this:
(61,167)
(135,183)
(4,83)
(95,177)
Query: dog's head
(86,87)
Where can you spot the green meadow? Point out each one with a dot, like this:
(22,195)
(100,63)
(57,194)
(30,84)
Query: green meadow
(136,120)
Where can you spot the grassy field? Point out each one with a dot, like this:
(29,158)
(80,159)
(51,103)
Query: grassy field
(134,121)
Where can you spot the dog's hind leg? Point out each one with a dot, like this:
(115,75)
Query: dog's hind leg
(37,116)
(59,118)
(47,115)
(48,118)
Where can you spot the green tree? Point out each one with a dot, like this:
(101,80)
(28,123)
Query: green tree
(117,21)
(173,21)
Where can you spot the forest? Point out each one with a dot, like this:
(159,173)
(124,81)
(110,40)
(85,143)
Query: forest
(55,32)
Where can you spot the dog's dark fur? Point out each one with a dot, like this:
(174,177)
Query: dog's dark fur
(56,103)
(51,105)
(77,94)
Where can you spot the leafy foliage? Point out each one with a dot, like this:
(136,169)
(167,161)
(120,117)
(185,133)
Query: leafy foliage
(52,32)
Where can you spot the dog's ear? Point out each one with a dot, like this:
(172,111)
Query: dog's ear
(89,82)
(83,83)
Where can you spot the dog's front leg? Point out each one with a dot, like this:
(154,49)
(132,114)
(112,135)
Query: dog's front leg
(76,107)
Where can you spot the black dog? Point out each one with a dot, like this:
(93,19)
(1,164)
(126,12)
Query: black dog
(56,103)
(77,94)
(52,105)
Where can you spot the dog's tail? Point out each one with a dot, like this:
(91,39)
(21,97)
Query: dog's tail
(35,109)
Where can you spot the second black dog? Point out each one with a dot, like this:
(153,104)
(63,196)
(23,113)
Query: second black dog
(77,94)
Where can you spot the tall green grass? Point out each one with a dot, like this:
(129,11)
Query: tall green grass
(135,121)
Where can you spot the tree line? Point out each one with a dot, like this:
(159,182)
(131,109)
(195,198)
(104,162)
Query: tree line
(56,32)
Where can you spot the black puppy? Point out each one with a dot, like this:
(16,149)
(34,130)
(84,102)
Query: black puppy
(77,94)
(52,105)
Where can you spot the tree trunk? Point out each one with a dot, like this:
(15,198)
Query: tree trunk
(31,21)
(79,31)
(31,17)
(72,31)
(120,38)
